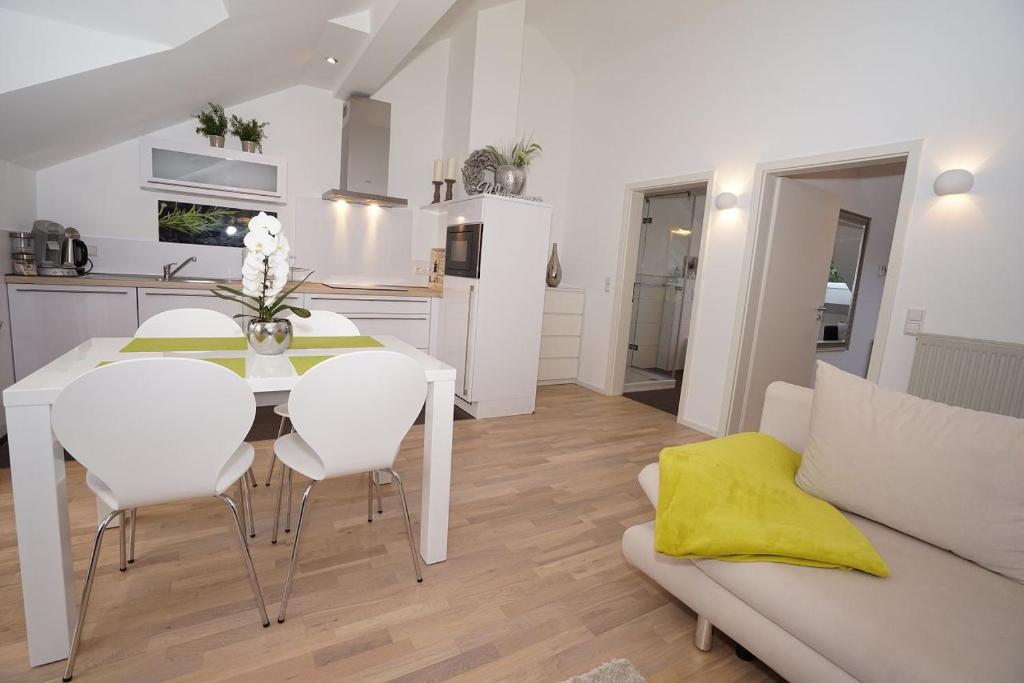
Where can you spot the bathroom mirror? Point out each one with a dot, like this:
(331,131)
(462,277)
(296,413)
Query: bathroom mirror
(835,315)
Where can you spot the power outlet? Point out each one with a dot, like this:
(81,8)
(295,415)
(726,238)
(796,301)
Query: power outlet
(422,270)
(913,322)
(93,250)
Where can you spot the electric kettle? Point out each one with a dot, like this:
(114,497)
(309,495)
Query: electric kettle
(74,253)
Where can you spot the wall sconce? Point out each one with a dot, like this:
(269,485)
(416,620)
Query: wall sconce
(726,200)
(953,181)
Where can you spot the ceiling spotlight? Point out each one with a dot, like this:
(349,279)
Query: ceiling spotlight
(331,60)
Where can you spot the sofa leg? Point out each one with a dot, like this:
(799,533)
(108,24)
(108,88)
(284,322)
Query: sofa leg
(702,638)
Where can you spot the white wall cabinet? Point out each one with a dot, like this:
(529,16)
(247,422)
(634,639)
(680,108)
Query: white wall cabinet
(407,318)
(560,335)
(47,321)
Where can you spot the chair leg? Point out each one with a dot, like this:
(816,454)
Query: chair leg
(380,499)
(241,501)
(702,637)
(122,531)
(369,497)
(250,478)
(277,509)
(408,525)
(295,553)
(288,511)
(131,535)
(90,575)
(273,456)
(247,498)
(254,582)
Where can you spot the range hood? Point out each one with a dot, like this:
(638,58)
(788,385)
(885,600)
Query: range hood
(365,145)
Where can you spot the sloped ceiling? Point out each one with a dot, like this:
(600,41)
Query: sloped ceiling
(176,56)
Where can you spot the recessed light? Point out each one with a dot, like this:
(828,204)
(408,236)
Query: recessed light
(331,60)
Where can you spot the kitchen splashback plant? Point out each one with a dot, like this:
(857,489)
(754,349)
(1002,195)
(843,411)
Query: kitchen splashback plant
(251,131)
(264,282)
(213,123)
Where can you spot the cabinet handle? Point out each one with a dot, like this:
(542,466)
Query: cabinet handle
(314,297)
(71,291)
(469,327)
(357,316)
(208,296)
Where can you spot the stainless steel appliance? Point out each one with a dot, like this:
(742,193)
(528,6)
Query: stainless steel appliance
(365,147)
(23,253)
(462,250)
(59,251)
(74,253)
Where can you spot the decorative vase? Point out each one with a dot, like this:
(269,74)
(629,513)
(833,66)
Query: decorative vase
(269,338)
(216,140)
(554,272)
(248,146)
(510,179)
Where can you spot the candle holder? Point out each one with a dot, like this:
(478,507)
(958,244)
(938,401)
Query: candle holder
(449,184)
(437,191)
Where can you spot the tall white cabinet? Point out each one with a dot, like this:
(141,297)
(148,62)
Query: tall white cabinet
(490,327)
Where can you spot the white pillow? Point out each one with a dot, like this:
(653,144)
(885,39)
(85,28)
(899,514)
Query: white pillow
(949,476)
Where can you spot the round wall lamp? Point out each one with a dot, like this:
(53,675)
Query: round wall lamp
(953,181)
(726,200)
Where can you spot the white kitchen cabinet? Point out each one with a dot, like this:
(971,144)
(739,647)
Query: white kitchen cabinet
(560,335)
(153,300)
(456,333)
(49,320)
(407,318)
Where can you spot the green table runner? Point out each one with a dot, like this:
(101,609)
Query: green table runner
(354,342)
(158,344)
(303,363)
(235,365)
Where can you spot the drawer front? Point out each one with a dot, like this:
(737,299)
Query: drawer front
(387,305)
(559,347)
(413,330)
(557,368)
(563,301)
(561,324)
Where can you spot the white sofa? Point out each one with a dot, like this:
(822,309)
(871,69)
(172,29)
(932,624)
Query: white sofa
(937,617)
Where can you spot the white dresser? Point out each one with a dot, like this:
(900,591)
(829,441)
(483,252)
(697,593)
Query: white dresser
(560,335)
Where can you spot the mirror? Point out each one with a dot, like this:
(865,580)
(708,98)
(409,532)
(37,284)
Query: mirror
(835,319)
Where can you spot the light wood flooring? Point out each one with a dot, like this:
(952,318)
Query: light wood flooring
(534,589)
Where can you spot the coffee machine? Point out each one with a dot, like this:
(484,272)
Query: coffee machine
(60,251)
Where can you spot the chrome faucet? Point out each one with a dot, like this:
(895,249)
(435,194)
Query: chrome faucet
(170,271)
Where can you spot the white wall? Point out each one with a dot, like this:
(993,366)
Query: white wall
(877,196)
(17,197)
(746,81)
(496,74)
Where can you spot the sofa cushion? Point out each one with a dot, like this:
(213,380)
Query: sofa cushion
(950,476)
(936,618)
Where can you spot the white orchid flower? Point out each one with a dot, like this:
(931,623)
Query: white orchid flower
(262,221)
(260,242)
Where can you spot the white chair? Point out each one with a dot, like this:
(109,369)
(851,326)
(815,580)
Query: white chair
(351,414)
(157,430)
(319,324)
(191,322)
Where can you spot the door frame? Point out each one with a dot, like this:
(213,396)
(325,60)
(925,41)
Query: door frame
(629,246)
(758,250)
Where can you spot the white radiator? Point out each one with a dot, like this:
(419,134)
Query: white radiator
(972,373)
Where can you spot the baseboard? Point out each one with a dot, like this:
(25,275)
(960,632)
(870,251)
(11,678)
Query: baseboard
(592,387)
(703,429)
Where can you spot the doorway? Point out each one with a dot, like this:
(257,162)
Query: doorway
(662,298)
(824,252)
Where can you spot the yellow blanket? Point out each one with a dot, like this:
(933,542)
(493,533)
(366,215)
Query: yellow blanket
(735,499)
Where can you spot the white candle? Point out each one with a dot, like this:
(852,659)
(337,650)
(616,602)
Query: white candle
(437,170)
(451,169)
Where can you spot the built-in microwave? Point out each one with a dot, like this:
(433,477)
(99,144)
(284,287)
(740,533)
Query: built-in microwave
(462,250)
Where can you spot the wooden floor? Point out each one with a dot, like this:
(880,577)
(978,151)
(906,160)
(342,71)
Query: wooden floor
(534,589)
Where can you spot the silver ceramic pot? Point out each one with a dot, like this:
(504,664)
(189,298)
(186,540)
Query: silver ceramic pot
(510,179)
(248,146)
(216,140)
(269,338)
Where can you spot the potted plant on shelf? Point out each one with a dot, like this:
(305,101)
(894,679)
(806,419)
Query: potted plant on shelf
(264,278)
(510,176)
(250,132)
(213,123)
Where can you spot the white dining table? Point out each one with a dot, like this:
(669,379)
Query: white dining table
(40,487)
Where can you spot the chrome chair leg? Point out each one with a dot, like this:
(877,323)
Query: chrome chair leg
(122,531)
(273,456)
(369,498)
(247,498)
(241,501)
(250,478)
(295,553)
(277,509)
(90,575)
(255,582)
(408,525)
(380,498)
(288,511)
(131,535)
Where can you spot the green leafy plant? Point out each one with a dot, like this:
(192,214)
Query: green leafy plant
(264,308)
(249,131)
(194,221)
(212,120)
(519,153)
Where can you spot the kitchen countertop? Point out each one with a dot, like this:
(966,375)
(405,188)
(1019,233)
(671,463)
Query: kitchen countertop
(151,281)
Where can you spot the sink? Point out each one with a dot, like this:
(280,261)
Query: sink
(157,278)
(198,280)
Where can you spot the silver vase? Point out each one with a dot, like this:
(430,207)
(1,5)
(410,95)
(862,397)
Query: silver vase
(216,140)
(554,272)
(510,179)
(269,338)
(248,146)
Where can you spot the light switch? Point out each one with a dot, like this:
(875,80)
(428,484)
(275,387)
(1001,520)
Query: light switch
(914,321)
